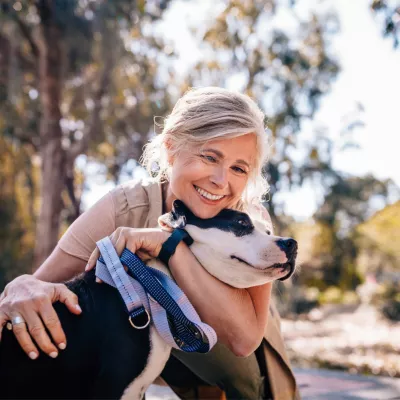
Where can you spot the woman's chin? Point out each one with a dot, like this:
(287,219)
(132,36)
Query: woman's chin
(205,215)
(204,212)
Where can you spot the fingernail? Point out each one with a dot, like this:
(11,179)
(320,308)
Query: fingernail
(54,354)
(33,355)
(97,280)
(78,308)
(87,267)
(62,346)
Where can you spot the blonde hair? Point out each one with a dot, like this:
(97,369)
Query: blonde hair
(204,114)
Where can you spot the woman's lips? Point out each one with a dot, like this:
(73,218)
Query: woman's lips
(208,201)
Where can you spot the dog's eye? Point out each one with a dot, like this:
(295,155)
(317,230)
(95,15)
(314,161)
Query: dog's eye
(268,232)
(243,222)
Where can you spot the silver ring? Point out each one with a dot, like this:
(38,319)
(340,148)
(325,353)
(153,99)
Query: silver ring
(18,320)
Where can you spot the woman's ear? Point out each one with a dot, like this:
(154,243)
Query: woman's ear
(168,147)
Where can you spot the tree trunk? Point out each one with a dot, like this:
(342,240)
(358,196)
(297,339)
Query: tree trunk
(51,151)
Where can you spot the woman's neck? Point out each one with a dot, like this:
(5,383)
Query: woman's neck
(168,197)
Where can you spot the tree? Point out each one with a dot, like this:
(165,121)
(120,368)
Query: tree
(287,72)
(16,214)
(64,61)
(349,203)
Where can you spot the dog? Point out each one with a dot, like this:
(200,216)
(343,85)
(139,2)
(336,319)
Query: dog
(106,357)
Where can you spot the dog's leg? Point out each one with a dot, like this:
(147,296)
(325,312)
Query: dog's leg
(156,361)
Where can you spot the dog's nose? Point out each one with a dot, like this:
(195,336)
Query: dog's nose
(289,246)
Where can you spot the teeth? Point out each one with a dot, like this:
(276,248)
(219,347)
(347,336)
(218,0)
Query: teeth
(208,195)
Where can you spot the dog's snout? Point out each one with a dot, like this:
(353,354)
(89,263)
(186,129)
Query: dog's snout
(289,246)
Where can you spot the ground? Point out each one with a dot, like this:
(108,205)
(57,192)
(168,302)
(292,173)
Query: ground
(354,339)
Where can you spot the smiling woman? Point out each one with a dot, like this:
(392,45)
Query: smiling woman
(212,178)
(209,155)
(225,130)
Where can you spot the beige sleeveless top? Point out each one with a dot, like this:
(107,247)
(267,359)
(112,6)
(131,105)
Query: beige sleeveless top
(135,204)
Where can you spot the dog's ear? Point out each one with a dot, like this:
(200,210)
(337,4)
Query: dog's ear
(177,218)
(180,210)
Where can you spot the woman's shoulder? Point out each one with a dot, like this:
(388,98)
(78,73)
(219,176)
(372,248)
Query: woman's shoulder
(134,195)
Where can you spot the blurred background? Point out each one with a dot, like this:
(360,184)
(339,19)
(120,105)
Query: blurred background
(82,80)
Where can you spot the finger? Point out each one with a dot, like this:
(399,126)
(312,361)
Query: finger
(69,298)
(119,240)
(143,255)
(37,330)
(3,320)
(25,341)
(92,260)
(53,325)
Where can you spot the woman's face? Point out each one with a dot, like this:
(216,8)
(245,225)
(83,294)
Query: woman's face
(213,176)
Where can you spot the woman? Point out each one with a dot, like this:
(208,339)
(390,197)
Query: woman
(209,155)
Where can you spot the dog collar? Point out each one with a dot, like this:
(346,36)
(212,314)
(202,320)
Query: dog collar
(169,246)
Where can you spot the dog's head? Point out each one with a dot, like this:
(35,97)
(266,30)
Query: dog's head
(234,248)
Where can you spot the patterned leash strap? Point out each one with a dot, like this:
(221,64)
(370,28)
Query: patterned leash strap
(150,292)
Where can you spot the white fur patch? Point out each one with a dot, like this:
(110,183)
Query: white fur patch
(156,361)
(214,248)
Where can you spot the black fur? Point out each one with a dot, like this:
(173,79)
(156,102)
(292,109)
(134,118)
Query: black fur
(227,220)
(104,353)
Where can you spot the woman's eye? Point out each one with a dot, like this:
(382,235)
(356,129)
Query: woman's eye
(240,170)
(209,158)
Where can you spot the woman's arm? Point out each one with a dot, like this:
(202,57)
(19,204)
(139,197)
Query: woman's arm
(32,296)
(60,267)
(239,316)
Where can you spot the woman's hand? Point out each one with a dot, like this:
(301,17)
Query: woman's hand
(32,299)
(146,243)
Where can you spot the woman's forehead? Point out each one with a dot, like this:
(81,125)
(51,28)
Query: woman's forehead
(242,147)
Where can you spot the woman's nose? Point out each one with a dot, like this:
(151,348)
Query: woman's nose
(220,177)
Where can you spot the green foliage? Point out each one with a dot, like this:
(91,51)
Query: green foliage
(332,295)
(117,75)
(16,213)
(387,299)
(383,231)
(287,72)
(104,82)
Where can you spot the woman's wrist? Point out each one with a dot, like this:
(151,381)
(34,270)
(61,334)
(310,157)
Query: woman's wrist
(179,251)
(169,247)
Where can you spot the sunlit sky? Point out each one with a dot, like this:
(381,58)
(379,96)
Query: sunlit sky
(370,76)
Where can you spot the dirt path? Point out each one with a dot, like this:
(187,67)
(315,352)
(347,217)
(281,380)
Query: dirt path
(353,339)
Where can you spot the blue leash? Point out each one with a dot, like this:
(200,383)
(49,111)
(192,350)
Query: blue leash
(170,318)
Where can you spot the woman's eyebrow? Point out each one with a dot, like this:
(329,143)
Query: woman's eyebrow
(221,155)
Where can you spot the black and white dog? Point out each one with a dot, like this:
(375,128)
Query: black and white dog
(106,357)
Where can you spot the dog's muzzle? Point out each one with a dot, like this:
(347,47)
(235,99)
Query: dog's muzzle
(289,247)
(290,273)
